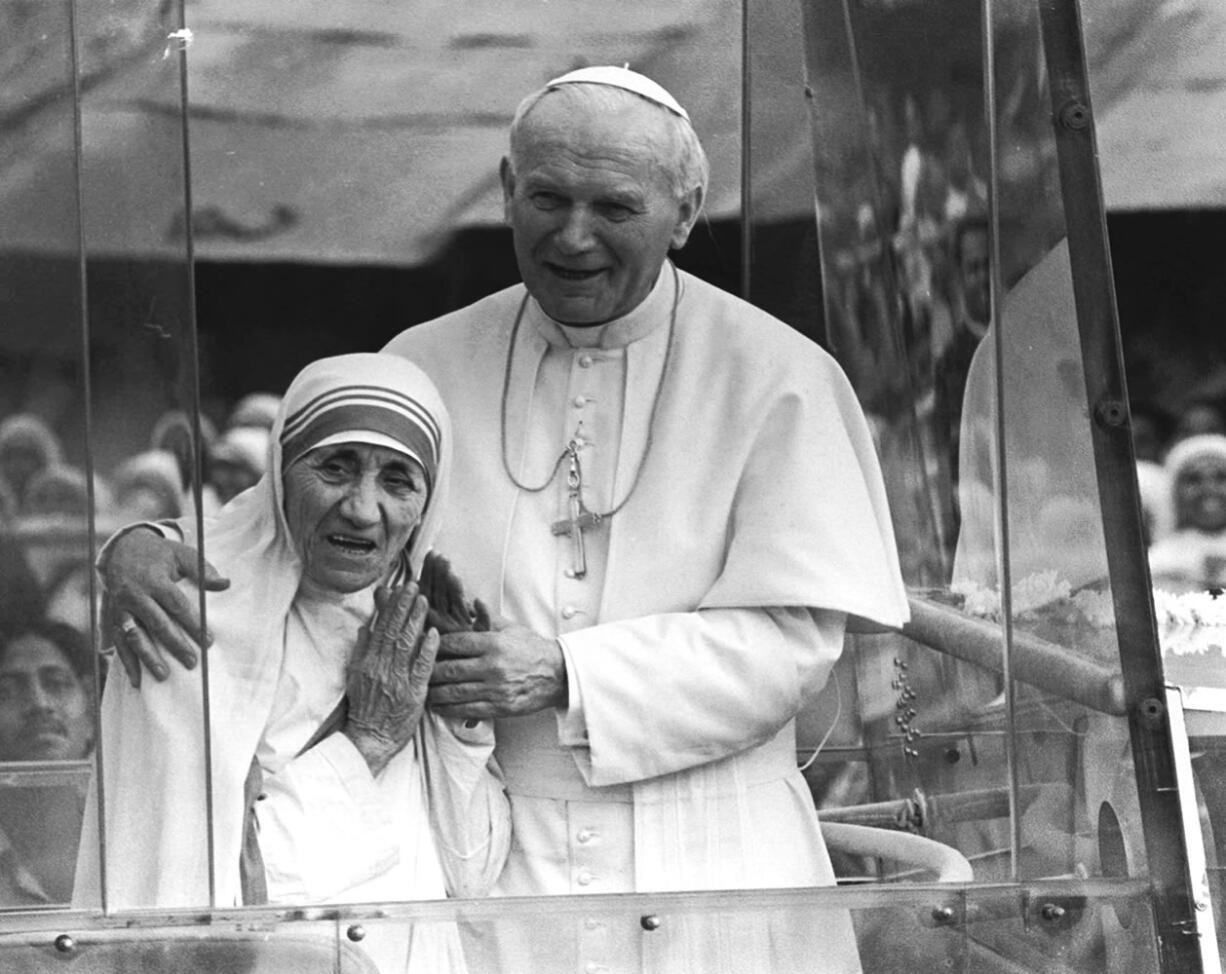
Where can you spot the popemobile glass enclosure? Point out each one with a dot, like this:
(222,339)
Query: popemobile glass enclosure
(1015,781)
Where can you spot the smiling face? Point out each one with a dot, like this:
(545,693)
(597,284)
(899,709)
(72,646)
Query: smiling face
(45,712)
(1200,494)
(592,209)
(351,508)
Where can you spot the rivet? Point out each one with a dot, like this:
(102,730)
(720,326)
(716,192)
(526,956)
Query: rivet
(1111,413)
(1051,912)
(356,932)
(650,922)
(1152,711)
(65,944)
(943,914)
(1074,115)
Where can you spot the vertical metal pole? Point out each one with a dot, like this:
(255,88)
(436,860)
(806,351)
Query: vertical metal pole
(193,398)
(88,396)
(1097,320)
(746,154)
(1004,569)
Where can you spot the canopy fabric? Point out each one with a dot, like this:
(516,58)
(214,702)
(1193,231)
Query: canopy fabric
(364,132)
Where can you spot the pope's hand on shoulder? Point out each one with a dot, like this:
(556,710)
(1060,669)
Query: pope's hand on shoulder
(506,672)
(145,613)
(389,675)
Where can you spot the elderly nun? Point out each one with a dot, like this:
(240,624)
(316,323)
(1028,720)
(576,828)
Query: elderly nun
(329,780)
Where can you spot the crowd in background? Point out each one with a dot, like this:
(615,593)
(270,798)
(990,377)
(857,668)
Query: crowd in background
(46,558)
(1181,471)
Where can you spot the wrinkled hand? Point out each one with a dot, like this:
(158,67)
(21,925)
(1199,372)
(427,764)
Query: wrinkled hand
(503,673)
(144,612)
(450,611)
(389,676)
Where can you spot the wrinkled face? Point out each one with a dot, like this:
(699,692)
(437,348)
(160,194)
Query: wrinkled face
(1200,494)
(975,274)
(45,712)
(351,508)
(591,210)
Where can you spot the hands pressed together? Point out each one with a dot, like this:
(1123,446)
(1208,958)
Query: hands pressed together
(428,643)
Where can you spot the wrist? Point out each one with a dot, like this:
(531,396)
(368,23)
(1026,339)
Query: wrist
(374,752)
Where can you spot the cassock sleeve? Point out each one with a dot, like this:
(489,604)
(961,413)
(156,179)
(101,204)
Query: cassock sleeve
(469,810)
(667,692)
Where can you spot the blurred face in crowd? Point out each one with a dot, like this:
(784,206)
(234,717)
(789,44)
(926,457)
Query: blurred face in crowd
(1200,494)
(45,712)
(230,479)
(351,508)
(975,275)
(592,208)
(19,463)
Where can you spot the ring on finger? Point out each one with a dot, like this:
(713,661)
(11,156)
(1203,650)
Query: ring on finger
(130,627)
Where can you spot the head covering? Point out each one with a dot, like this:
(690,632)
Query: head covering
(327,408)
(156,471)
(174,433)
(249,542)
(244,446)
(27,433)
(257,409)
(625,79)
(1193,448)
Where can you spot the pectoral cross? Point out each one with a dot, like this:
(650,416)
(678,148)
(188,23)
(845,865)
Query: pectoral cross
(580,517)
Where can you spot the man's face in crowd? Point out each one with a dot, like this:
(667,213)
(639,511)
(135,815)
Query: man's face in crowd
(591,209)
(1200,494)
(973,270)
(45,712)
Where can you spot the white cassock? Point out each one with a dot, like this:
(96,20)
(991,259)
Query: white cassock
(711,608)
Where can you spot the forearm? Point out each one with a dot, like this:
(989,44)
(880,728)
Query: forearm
(667,692)
(324,827)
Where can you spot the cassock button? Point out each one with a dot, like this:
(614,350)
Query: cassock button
(569,612)
(584,878)
(585,361)
(580,401)
(585,835)
(592,923)
(591,967)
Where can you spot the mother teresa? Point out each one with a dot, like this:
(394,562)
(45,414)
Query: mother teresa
(329,780)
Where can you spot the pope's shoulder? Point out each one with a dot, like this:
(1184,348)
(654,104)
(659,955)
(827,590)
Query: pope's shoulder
(472,324)
(731,328)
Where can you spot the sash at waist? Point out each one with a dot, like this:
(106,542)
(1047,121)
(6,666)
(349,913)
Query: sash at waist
(534,765)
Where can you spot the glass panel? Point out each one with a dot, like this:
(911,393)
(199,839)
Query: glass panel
(255,946)
(902,166)
(940,212)
(46,662)
(779,930)
(135,396)
(1069,928)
